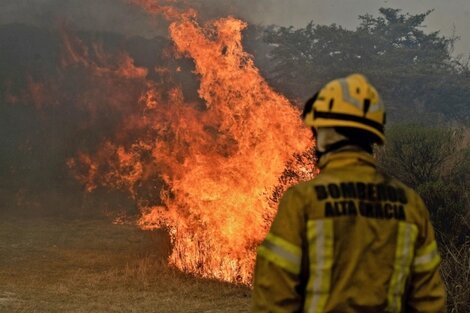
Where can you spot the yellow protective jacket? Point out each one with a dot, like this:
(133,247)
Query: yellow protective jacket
(351,240)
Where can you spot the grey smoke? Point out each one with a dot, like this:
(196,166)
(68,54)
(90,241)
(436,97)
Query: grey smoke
(102,15)
(120,16)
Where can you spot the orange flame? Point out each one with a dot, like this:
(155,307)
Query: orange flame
(77,53)
(215,169)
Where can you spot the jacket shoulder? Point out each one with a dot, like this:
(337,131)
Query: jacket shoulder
(415,204)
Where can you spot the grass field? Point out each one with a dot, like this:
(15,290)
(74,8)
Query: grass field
(55,265)
(90,265)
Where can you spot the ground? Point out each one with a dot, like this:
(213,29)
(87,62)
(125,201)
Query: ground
(63,265)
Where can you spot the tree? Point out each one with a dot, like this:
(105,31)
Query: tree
(413,70)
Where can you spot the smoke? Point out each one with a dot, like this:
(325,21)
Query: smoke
(51,108)
(88,15)
(113,15)
(119,16)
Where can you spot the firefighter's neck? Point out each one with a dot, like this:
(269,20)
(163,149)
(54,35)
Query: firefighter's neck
(343,146)
(330,141)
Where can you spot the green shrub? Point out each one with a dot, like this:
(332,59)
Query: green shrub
(436,163)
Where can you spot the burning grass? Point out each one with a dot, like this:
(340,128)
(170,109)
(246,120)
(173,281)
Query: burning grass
(207,163)
(53,265)
(207,170)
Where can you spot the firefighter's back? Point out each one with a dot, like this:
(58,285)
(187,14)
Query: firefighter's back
(362,230)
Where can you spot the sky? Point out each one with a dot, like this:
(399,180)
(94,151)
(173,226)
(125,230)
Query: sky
(118,15)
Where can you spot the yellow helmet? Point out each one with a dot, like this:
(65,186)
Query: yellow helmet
(347,102)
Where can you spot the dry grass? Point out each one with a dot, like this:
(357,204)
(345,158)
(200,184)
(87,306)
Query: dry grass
(456,274)
(52,265)
(94,266)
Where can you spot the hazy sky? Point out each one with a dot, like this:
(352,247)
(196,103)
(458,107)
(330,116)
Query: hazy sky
(117,15)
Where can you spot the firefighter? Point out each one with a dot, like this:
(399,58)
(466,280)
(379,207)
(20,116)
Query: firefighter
(353,239)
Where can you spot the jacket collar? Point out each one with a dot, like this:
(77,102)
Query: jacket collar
(346,157)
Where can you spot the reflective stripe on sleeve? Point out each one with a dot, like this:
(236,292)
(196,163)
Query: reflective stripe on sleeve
(282,253)
(320,235)
(427,258)
(404,252)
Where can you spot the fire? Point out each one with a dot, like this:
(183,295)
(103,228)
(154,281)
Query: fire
(210,174)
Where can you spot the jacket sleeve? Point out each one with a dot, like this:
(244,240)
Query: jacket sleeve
(277,277)
(427,292)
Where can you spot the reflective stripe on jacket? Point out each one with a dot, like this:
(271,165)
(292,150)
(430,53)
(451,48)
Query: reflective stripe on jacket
(351,240)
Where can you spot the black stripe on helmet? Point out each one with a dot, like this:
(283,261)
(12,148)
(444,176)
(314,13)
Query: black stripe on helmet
(351,118)
(309,105)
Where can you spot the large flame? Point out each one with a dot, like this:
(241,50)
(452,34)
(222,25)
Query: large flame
(217,169)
